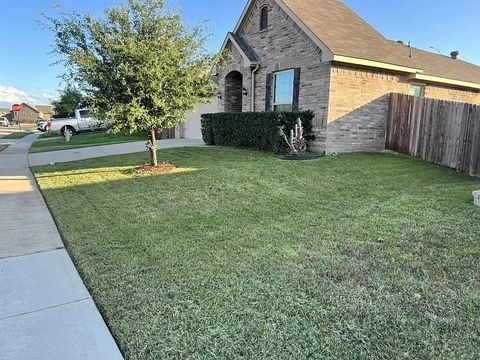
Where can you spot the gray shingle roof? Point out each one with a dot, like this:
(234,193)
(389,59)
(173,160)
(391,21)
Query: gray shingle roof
(246,48)
(346,33)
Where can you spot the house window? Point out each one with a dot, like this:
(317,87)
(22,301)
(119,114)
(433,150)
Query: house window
(264,18)
(283,96)
(417,90)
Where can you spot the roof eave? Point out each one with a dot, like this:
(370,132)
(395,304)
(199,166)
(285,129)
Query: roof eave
(446,81)
(376,64)
(414,73)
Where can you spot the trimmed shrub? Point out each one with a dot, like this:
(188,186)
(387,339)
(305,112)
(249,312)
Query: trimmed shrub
(254,130)
(207,131)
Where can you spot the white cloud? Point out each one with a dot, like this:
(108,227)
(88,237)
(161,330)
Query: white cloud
(10,95)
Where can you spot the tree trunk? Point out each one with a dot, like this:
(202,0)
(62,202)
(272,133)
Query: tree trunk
(152,145)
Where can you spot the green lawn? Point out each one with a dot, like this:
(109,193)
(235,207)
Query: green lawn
(53,143)
(241,255)
(17,135)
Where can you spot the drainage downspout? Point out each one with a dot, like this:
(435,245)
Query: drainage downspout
(252,105)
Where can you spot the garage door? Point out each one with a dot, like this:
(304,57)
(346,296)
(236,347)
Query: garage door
(192,126)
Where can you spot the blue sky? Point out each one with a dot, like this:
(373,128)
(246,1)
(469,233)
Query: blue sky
(26,73)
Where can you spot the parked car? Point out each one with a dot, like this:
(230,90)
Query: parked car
(42,125)
(4,122)
(80,123)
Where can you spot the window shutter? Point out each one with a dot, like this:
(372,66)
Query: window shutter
(296,89)
(268,93)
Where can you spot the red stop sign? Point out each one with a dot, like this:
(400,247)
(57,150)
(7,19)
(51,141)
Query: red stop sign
(16,107)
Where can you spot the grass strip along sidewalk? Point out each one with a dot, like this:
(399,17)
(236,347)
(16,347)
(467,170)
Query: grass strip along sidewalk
(52,143)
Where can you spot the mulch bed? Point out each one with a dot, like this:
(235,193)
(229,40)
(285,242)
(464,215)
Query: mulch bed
(164,168)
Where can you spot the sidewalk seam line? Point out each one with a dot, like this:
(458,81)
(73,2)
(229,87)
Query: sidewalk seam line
(35,253)
(46,308)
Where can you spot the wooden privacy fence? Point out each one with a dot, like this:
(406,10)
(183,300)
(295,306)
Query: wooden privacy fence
(441,132)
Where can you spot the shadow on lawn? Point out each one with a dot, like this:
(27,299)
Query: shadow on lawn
(110,175)
(250,162)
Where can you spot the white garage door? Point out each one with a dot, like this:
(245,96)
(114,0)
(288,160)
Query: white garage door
(192,126)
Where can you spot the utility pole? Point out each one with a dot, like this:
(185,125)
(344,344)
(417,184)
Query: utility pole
(18,121)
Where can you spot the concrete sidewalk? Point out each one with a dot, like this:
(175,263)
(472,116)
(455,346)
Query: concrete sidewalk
(60,156)
(45,310)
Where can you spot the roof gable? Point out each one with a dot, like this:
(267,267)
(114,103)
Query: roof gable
(344,36)
(327,54)
(30,107)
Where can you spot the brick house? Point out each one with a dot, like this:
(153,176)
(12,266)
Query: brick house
(31,113)
(28,114)
(319,55)
(46,111)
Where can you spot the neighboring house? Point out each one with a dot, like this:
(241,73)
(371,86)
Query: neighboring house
(28,114)
(319,55)
(4,112)
(46,111)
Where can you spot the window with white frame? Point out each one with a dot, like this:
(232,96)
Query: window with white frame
(417,90)
(284,87)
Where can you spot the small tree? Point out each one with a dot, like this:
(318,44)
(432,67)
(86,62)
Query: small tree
(70,99)
(140,67)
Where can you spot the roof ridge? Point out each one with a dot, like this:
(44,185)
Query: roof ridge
(30,106)
(435,54)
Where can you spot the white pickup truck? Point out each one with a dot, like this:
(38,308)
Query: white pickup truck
(80,123)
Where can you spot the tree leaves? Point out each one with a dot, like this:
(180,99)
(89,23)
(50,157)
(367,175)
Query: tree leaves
(140,66)
(70,100)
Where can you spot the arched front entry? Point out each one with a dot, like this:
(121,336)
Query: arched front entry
(233,91)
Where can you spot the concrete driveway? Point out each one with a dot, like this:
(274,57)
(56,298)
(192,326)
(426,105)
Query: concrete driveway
(60,156)
(45,310)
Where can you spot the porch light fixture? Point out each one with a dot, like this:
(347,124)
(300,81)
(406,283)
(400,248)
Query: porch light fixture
(244,92)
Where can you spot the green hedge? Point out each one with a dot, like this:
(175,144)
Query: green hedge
(255,130)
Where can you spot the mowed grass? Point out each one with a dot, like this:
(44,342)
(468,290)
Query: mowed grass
(239,255)
(53,143)
(17,135)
